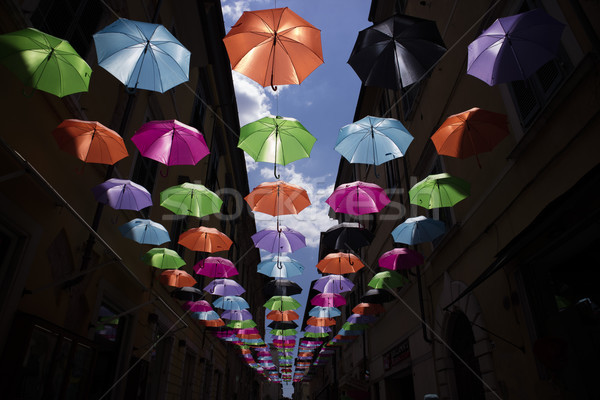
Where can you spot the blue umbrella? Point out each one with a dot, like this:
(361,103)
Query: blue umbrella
(205,315)
(324,312)
(145,231)
(142,55)
(418,230)
(280,267)
(373,140)
(231,303)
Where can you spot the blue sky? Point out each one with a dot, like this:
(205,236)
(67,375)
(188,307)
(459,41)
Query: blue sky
(323,103)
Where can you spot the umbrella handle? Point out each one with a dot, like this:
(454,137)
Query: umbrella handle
(165,174)
(275,171)
(350,260)
(375,171)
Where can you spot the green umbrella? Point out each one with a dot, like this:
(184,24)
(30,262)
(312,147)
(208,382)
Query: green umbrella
(163,258)
(387,280)
(278,140)
(283,332)
(316,335)
(282,303)
(190,199)
(441,190)
(44,62)
(242,324)
(354,327)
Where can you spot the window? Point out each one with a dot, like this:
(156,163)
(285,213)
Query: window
(189,369)
(400,6)
(160,359)
(392,175)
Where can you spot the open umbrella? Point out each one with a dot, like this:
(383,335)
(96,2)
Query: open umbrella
(281,287)
(387,280)
(209,315)
(324,312)
(377,296)
(339,263)
(397,52)
(288,315)
(176,278)
(333,284)
(224,287)
(237,315)
(142,55)
(282,303)
(122,194)
(163,258)
(358,198)
(400,258)
(316,321)
(44,62)
(90,141)
(244,324)
(215,323)
(328,300)
(283,325)
(190,199)
(317,329)
(274,47)
(197,306)
(361,319)
(187,294)
(418,230)
(231,303)
(280,267)
(440,190)
(514,47)
(209,240)
(278,198)
(283,332)
(215,267)
(282,240)
(145,231)
(346,236)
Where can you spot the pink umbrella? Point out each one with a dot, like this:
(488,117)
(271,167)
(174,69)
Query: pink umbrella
(170,142)
(328,300)
(358,198)
(400,258)
(215,267)
(197,306)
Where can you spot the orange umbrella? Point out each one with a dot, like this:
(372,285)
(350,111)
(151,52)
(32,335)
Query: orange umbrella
(278,198)
(339,263)
(249,336)
(274,47)
(215,323)
(176,278)
(470,133)
(288,315)
(314,321)
(90,141)
(368,309)
(205,239)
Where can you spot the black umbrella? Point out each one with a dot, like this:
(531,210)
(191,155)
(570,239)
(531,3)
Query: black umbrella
(377,296)
(346,236)
(396,52)
(282,325)
(188,294)
(281,287)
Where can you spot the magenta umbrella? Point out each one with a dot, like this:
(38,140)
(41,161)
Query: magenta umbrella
(284,240)
(358,198)
(215,267)
(122,194)
(170,142)
(197,306)
(333,284)
(400,258)
(224,287)
(328,300)
(236,315)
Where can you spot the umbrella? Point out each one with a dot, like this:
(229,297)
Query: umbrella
(224,287)
(282,303)
(324,312)
(440,190)
(90,141)
(418,230)
(387,280)
(281,287)
(197,306)
(396,52)
(288,315)
(361,319)
(280,267)
(215,323)
(339,263)
(205,239)
(278,198)
(283,325)
(470,133)
(354,327)
(44,62)
(215,267)
(328,300)
(142,55)
(163,258)
(190,199)
(377,296)
(274,47)
(373,140)
(231,303)
(248,323)
(282,240)
(346,236)
(170,142)
(205,315)
(316,334)
(237,315)
(283,332)
(333,284)
(316,321)
(400,258)
(514,47)
(145,231)
(188,294)
(122,194)
(358,198)
(176,278)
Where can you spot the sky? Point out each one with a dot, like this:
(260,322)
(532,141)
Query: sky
(324,102)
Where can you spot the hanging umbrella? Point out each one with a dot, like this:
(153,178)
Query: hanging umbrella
(142,55)
(176,278)
(245,324)
(358,198)
(280,267)
(237,315)
(361,319)
(197,306)
(324,312)
(328,300)
(387,280)
(224,287)
(281,287)
(282,240)
(377,296)
(316,334)
(283,332)
(355,327)
(315,321)
(396,52)
(215,267)
(282,303)
(440,190)
(333,284)
(190,199)
(400,258)
(188,294)
(170,142)
(274,47)
(122,194)
(44,62)
(209,240)
(215,323)
(288,315)
(418,230)
(163,259)
(90,141)
(231,303)
(205,315)
(339,263)
(283,325)
(514,47)
(346,236)
(145,231)
(278,198)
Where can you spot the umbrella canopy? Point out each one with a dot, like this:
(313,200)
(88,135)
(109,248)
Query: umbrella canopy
(400,258)
(278,198)
(317,329)
(514,47)
(231,303)
(215,323)
(145,231)
(187,294)
(288,315)
(281,287)
(283,325)
(274,47)
(354,327)
(209,240)
(396,52)
(283,332)
(333,284)
(316,334)
(197,306)
(373,140)
(176,278)
(163,258)
(418,230)
(361,319)
(339,263)
(90,141)
(122,194)
(440,190)
(358,198)
(328,300)
(205,315)
(44,62)
(377,296)
(190,199)
(387,280)
(244,324)
(282,303)
(224,287)
(280,267)
(215,267)
(237,315)
(282,240)
(142,55)
(324,312)
(346,236)
(315,321)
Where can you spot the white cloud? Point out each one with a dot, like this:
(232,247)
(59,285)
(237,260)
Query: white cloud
(233,9)
(253,103)
(251,165)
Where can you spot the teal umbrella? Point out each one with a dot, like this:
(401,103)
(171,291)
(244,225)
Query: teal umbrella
(441,190)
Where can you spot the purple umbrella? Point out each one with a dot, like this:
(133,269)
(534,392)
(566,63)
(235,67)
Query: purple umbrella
(317,329)
(215,267)
(122,194)
(400,258)
(514,47)
(361,319)
(284,240)
(328,300)
(333,284)
(358,198)
(170,142)
(224,287)
(237,315)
